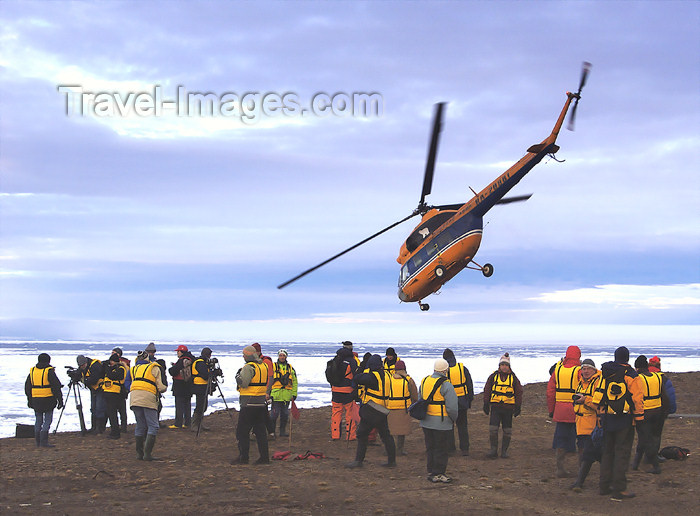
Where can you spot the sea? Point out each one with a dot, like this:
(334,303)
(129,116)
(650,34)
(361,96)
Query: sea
(530,362)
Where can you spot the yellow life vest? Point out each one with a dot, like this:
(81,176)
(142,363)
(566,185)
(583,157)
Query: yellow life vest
(96,386)
(436,406)
(196,377)
(586,389)
(399,394)
(378,395)
(390,368)
(114,386)
(502,391)
(141,375)
(39,378)
(458,379)
(280,371)
(651,389)
(258,384)
(566,382)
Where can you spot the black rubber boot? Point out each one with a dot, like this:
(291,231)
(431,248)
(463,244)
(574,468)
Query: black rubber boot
(493,438)
(44,440)
(400,443)
(504,446)
(283,428)
(583,470)
(148,448)
(37,438)
(140,440)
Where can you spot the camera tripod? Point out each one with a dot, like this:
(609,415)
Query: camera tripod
(211,385)
(73,385)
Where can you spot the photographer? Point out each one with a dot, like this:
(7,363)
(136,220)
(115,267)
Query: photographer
(202,369)
(146,386)
(43,390)
(93,377)
(115,376)
(282,390)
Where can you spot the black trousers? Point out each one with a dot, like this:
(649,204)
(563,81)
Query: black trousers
(462,432)
(200,393)
(436,450)
(370,419)
(254,418)
(649,437)
(617,448)
(112,400)
(121,409)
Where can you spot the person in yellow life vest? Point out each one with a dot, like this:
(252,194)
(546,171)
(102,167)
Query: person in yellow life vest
(146,386)
(443,410)
(200,386)
(93,378)
(390,360)
(251,382)
(282,390)
(115,376)
(503,397)
(373,412)
(125,391)
(656,406)
(560,391)
(43,390)
(586,419)
(620,401)
(402,392)
(461,380)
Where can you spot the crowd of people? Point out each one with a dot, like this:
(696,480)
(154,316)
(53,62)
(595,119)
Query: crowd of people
(597,412)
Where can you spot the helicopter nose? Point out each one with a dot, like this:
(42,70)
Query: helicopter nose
(402,295)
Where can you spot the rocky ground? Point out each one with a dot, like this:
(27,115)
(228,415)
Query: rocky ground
(84,475)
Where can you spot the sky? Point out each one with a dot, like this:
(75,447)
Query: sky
(126,218)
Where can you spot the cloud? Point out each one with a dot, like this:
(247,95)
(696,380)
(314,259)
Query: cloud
(656,297)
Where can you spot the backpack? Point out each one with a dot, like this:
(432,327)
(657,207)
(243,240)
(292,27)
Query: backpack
(419,409)
(335,371)
(674,452)
(187,370)
(616,394)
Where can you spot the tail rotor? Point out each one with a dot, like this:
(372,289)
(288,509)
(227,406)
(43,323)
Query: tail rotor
(584,77)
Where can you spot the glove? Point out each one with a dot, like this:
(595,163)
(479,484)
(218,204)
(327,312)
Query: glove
(551,415)
(487,409)
(29,403)
(294,398)
(59,405)
(516,411)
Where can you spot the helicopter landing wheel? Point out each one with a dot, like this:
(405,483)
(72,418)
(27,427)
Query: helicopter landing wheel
(424,306)
(439,271)
(487,270)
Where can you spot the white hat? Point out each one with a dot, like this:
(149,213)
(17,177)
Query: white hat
(441,365)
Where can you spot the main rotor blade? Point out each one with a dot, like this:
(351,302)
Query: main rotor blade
(307,271)
(515,198)
(432,153)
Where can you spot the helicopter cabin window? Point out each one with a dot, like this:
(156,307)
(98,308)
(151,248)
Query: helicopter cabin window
(444,239)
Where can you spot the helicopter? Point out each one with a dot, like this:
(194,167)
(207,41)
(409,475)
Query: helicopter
(449,235)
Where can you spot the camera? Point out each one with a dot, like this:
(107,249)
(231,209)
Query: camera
(74,374)
(577,397)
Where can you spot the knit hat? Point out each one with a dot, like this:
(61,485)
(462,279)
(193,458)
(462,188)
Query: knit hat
(375,363)
(400,365)
(206,352)
(655,361)
(81,360)
(588,363)
(257,347)
(505,359)
(182,347)
(250,351)
(151,348)
(449,355)
(118,351)
(390,352)
(44,358)
(347,344)
(114,358)
(441,365)
(641,362)
(283,352)
(622,355)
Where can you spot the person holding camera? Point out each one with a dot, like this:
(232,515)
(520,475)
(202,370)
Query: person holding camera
(283,390)
(43,390)
(125,390)
(251,382)
(560,390)
(146,386)
(113,387)
(201,372)
(92,372)
(181,371)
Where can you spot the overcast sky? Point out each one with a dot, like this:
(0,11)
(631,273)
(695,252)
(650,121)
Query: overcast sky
(118,224)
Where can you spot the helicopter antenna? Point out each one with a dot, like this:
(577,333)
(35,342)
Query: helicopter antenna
(584,76)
